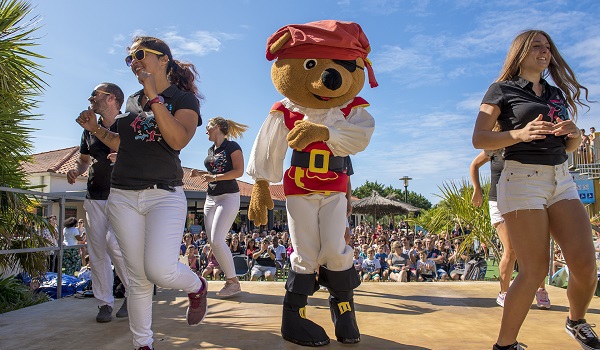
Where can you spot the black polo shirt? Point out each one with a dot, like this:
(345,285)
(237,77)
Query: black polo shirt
(219,161)
(99,173)
(144,158)
(519,105)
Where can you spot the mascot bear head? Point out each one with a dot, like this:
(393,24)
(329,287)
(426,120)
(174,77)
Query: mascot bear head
(320,64)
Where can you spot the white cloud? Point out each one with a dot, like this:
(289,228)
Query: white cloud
(407,65)
(471,102)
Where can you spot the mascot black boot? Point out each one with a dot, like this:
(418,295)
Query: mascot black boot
(341,285)
(295,327)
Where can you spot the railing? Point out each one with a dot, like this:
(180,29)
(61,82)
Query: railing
(48,199)
(586,161)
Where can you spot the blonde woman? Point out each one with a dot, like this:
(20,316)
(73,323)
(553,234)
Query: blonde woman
(536,194)
(225,163)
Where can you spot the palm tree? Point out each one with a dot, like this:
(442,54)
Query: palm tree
(456,207)
(20,86)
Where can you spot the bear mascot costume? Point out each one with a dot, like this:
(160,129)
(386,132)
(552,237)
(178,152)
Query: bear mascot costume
(319,69)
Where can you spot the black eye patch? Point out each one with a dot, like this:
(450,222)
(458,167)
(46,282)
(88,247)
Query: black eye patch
(349,65)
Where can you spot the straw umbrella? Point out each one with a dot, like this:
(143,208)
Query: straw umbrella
(376,204)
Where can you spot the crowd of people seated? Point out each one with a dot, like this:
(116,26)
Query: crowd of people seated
(395,253)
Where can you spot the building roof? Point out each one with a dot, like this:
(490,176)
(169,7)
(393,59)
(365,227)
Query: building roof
(62,160)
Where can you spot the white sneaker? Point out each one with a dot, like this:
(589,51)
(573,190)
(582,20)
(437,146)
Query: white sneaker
(500,298)
(230,289)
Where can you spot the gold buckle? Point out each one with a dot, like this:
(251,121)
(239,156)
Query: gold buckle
(311,162)
(302,312)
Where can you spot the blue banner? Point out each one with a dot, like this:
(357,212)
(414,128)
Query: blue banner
(585,188)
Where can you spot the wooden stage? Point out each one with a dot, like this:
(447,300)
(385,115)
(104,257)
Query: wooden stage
(442,315)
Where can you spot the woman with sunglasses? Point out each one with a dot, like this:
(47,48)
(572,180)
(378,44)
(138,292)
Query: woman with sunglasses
(147,205)
(536,194)
(225,163)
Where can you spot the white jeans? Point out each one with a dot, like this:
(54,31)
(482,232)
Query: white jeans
(219,213)
(317,226)
(149,226)
(103,249)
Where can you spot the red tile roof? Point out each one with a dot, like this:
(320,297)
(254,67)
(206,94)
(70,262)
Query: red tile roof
(62,160)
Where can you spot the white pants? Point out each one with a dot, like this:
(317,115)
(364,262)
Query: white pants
(103,249)
(149,226)
(317,226)
(219,213)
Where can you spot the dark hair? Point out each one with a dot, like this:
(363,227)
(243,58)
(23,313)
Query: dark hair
(115,90)
(71,222)
(182,74)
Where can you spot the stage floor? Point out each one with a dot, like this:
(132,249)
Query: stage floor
(450,315)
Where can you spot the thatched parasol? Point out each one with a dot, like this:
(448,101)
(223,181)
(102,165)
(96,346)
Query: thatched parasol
(376,204)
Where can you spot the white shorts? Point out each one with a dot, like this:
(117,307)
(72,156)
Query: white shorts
(533,186)
(258,270)
(495,216)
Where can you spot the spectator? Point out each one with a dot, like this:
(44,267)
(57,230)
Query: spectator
(399,263)
(235,247)
(71,236)
(457,230)
(195,228)
(456,262)
(51,235)
(201,242)
(212,268)
(382,256)
(186,241)
(363,252)
(437,257)
(426,268)
(357,260)
(280,253)
(250,248)
(371,267)
(264,264)
(193,260)
(595,145)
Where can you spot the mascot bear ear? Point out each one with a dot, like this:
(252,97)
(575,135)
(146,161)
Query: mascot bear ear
(279,43)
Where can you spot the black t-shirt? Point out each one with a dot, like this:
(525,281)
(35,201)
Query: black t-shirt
(145,158)
(99,173)
(265,260)
(219,161)
(519,105)
(434,253)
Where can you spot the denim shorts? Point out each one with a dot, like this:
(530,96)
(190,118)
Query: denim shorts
(533,186)
(495,216)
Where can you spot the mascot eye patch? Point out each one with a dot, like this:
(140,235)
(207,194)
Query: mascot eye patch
(350,65)
(310,64)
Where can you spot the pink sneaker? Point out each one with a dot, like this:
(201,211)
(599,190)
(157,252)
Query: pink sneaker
(541,297)
(196,311)
(230,289)
(500,298)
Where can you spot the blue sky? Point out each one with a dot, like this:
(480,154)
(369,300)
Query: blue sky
(433,60)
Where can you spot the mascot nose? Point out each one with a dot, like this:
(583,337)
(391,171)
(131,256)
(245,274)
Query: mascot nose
(332,79)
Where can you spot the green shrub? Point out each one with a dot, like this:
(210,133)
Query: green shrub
(15,295)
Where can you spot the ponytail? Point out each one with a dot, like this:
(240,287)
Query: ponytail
(228,127)
(183,75)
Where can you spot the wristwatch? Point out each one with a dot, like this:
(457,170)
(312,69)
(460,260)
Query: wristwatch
(157,99)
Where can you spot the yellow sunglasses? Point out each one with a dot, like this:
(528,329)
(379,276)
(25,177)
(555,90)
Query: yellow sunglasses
(140,54)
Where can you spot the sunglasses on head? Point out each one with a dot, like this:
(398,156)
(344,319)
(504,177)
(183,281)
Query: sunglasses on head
(140,54)
(95,93)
